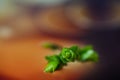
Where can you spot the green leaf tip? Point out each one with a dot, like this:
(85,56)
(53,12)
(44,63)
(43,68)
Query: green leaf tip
(51,66)
(53,63)
(52,46)
(88,54)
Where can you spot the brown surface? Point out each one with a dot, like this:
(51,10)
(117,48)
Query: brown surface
(24,59)
(55,21)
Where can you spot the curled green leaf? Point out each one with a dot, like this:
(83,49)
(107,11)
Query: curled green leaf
(67,55)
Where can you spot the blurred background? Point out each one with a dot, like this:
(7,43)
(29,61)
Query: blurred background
(95,22)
